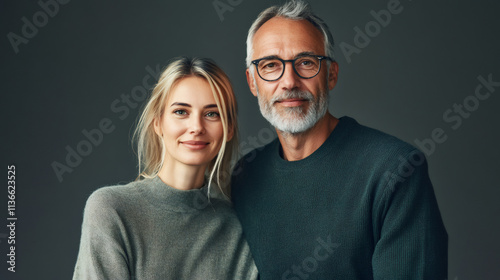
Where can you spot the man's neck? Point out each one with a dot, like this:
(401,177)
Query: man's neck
(302,145)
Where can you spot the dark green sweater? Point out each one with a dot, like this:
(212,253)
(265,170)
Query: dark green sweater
(360,207)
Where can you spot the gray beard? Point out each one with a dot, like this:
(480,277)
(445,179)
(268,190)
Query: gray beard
(294,120)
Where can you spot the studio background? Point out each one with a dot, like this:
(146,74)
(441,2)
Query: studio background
(72,75)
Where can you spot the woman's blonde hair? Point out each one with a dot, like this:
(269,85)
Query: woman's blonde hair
(150,148)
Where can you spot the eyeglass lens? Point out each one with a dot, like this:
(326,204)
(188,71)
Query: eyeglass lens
(272,69)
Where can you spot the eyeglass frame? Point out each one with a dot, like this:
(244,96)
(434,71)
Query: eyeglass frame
(283,61)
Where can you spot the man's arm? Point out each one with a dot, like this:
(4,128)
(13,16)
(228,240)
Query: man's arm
(411,241)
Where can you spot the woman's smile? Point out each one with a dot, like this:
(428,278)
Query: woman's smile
(195,145)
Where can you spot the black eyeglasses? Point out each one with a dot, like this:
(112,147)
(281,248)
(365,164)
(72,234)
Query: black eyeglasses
(305,66)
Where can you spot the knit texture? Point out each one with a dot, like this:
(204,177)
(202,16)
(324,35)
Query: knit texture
(360,207)
(149,230)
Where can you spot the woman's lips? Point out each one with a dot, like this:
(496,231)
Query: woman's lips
(195,145)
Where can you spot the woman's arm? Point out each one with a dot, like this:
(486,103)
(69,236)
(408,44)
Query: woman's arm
(102,253)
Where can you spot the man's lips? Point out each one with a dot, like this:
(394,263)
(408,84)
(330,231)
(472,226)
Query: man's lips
(195,145)
(291,102)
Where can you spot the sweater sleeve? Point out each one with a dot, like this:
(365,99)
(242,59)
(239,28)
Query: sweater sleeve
(411,241)
(101,254)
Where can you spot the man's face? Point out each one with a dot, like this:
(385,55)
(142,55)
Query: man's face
(291,104)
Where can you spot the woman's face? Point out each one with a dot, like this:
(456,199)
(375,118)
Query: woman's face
(191,125)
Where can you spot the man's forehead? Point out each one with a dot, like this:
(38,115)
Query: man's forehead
(287,38)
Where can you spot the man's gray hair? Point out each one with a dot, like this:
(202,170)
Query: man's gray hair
(295,10)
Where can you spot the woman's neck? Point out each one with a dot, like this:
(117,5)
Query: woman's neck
(182,176)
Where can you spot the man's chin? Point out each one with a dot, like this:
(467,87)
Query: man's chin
(291,113)
(291,124)
(292,130)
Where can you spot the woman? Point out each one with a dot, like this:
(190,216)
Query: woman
(176,222)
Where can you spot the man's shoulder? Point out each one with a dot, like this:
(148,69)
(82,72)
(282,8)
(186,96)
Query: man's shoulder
(255,161)
(355,141)
(262,152)
(371,141)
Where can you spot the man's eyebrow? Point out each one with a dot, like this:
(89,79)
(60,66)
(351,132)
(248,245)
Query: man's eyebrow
(269,57)
(301,54)
(189,105)
(304,54)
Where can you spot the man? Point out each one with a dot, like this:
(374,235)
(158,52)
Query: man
(330,198)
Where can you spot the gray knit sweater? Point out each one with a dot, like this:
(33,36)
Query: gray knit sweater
(149,230)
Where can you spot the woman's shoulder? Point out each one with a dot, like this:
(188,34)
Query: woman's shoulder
(115,196)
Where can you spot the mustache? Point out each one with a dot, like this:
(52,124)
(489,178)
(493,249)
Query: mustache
(292,94)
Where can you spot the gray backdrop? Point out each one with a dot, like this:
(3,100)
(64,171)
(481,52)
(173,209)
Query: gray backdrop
(67,69)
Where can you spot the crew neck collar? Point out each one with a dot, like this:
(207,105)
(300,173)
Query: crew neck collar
(163,195)
(322,151)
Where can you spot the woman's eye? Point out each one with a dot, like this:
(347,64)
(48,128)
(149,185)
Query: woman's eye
(180,112)
(212,115)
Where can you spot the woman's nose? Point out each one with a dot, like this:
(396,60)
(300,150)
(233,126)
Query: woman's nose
(196,126)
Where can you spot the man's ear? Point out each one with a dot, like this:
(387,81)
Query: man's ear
(251,83)
(333,75)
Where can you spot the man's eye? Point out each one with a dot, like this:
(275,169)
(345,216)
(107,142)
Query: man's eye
(270,65)
(306,62)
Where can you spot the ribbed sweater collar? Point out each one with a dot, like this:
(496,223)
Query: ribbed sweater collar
(324,150)
(170,198)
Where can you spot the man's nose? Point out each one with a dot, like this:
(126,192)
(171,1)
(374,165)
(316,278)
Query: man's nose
(290,79)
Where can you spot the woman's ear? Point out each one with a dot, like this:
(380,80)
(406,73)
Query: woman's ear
(157,126)
(230,133)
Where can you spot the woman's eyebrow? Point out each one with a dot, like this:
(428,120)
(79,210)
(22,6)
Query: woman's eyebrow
(189,105)
(180,104)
